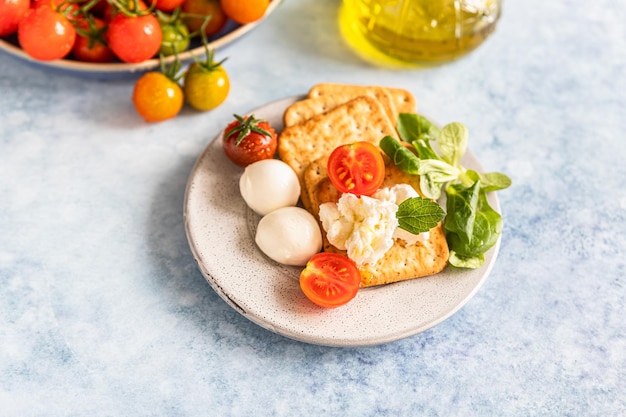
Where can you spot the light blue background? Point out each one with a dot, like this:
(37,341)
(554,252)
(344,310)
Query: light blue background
(103,311)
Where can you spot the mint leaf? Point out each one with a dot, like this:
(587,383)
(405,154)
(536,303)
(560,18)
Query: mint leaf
(417,215)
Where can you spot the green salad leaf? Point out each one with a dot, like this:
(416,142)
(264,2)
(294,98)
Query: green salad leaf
(471,225)
(401,156)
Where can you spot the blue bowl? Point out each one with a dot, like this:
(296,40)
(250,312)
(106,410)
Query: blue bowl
(119,70)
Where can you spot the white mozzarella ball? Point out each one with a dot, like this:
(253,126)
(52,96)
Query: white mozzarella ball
(269,184)
(289,235)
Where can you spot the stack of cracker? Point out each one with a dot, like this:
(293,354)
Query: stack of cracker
(335,114)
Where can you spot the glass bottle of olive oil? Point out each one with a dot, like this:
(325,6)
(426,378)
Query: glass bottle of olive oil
(416,32)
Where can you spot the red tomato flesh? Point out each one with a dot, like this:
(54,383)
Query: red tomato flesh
(330,280)
(356,168)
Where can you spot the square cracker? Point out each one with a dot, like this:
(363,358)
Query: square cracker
(401,262)
(402,100)
(305,109)
(360,119)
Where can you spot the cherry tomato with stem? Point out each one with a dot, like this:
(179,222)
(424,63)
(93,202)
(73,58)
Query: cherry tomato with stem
(176,36)
(167,5)
(248,139)
(11,13)
(157,96)
(134,35)
(357,168)
(46,34)
(204,12)
(90,45)
(330,279)
(206,83)
(244,11)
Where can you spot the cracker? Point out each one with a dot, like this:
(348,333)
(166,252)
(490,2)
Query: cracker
(360,119)
(333,94)
(399,263)
(403,100)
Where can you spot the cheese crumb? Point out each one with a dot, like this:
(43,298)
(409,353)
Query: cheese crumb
(365,226)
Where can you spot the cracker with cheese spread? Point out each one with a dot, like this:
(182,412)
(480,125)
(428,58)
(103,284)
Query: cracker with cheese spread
(428,256)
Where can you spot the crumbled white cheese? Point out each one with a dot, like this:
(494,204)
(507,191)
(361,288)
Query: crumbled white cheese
(364,226)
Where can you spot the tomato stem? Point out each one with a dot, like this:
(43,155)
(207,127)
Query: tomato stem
(247,125)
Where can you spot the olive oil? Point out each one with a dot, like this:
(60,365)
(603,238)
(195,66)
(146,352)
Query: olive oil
(416,32)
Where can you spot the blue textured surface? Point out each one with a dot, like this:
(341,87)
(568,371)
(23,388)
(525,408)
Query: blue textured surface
(103,311)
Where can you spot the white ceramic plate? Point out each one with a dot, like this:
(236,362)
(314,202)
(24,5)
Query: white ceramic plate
(113,70)
(220,229)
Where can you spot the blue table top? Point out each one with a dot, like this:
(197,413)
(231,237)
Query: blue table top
(104,312)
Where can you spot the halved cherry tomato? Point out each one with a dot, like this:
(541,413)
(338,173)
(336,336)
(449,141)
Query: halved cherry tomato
(46,34)
(11,12)
(356,168)
(330,279)
(244,11)
(248,139)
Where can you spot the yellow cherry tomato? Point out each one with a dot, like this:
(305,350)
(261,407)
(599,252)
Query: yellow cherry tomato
(206,85)
(156,97)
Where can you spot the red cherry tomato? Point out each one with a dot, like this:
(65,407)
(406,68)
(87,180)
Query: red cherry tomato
(330,279)
(46,34)
(134,38)
(167,5)
(248,139)
(11,13)
(356,168)
(90,45)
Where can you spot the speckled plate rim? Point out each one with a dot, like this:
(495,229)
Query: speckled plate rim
(120,68)
(220,231)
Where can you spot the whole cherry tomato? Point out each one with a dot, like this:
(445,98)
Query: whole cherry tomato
(134,38)
(244,11)
(167,5)
(175,37)
(46,34)
(90,45)
(11,13)
(206,84)
(356,168)
(330,279)
(248,139)
(157,97)
(204,8)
